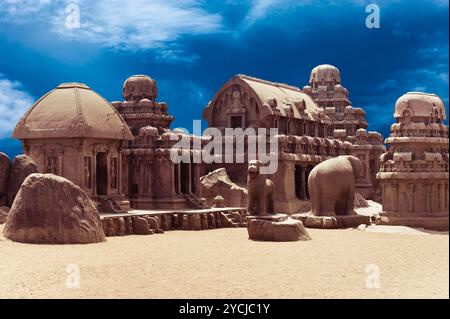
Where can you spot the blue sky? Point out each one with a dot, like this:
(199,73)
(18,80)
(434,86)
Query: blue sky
(192,47)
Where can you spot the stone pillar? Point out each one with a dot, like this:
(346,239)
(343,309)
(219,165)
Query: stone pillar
(94,173)
(303,182)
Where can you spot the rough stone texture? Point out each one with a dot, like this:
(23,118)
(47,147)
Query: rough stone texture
(204,221)
(3,214)
(119,224)
(49,209)
(219,183)
(332,222)
(196,223)
(276,228)
(5,166)
(129,225)
(332,186)
(166,222)
(141,226)
(154,224)
(312,221)
(352,221)
(21,168)
(360,201)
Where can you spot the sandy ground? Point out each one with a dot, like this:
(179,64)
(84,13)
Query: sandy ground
(223,263)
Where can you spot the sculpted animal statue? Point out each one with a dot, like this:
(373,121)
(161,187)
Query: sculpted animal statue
(260,191)
(332,186)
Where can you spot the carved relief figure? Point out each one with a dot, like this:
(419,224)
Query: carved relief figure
(52,166)
(87,172)
(113,173)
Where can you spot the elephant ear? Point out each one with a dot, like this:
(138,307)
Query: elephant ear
(356,165)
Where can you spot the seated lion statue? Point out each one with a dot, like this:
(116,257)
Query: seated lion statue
(260,191)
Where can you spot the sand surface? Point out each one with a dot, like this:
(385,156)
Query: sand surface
(223,263)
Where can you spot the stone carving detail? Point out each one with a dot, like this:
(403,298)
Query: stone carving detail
(52,165)
(88,172)
(113,173)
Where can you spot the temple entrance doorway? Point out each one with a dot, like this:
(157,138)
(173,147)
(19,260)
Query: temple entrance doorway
(102,174)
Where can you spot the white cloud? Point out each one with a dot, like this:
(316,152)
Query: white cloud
(14,102)
(119,24)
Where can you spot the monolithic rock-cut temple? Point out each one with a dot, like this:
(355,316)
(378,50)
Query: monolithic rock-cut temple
(414,170)
(119,152)
(314,124)
(150,178)
(75,133)
(347,123)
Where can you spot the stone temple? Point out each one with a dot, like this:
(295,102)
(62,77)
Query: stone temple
(75,133)
(314,124)
(120,152)
(414,170)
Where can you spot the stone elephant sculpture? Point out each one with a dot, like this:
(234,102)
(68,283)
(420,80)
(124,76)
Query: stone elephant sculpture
(260,191)
(332,186)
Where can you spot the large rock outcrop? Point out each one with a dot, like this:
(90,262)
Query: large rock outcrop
(50,209)
(218,183)
(5,166)
(22,167)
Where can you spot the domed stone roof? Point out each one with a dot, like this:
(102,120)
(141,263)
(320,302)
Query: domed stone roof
(138,87)
(72,110)
(418,104)
(327,72)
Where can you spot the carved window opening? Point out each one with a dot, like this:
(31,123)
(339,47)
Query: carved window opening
(236,121)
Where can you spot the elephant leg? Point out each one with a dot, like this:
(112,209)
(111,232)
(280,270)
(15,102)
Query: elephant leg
(349,209)
(315,207)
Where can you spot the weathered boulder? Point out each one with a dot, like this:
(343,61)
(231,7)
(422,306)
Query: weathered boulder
(218,183)
(276,228)
(3,214)
(5,166)
(22,167)
(141,226)
(50,209)
(128,225)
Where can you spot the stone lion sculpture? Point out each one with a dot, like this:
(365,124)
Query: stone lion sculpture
(260,191)
(332,186)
